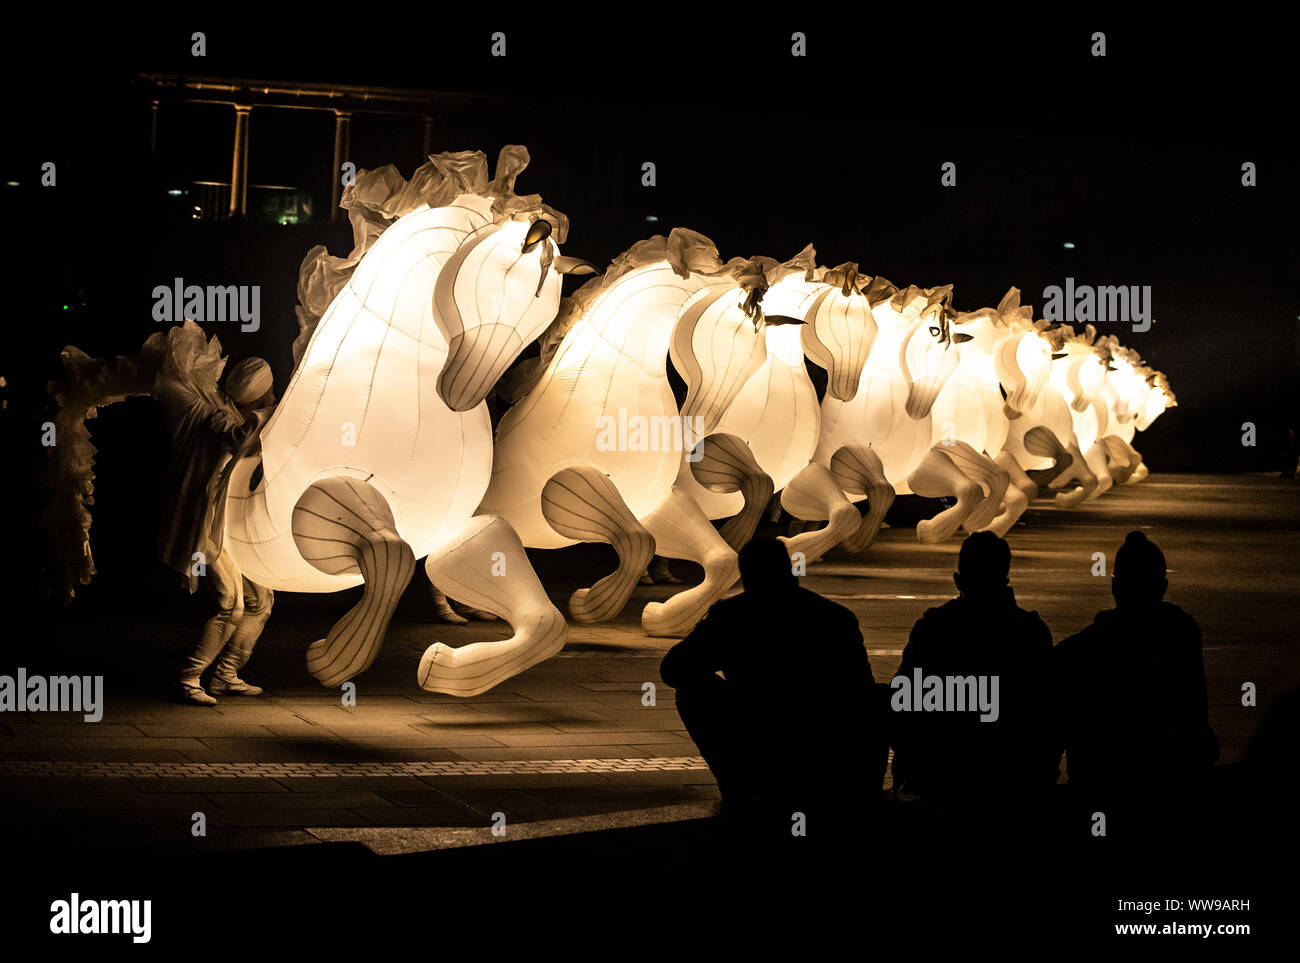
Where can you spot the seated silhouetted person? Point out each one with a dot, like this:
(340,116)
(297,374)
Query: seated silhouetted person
(971,696)
(1134,712)
(775,688)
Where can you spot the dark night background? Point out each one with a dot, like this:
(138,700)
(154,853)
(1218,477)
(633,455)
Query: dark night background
(1135,158)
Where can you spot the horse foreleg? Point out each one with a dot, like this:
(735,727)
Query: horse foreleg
(936,477)
(815,495)
(344,525)
(485,566)
(726,464)
(990,477)
(1020,492)
(858,470)
(682,530)
(582,503)
(1098,461)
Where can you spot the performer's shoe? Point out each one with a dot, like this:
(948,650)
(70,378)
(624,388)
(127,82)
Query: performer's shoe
(194,695)
(235,687)
(661,574)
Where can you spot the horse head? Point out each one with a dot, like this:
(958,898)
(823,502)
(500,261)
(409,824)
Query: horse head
(838,328)
(926,353)
(497,293)
(1022,360)
(717,344)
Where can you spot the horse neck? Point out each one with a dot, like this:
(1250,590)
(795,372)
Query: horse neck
(636,315)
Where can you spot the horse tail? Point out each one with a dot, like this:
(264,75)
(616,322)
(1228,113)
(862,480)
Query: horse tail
(68,472)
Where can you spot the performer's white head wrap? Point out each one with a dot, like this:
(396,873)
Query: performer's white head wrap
(248,381)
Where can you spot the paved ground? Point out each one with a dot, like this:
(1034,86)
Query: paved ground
(570,738)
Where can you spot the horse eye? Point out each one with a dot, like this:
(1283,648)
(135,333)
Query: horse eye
(934,331)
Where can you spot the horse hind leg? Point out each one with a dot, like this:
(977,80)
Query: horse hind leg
(343,526)
(583,503)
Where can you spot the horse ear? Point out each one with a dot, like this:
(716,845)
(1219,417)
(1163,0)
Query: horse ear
(540,229)
(782,319)
(572,265)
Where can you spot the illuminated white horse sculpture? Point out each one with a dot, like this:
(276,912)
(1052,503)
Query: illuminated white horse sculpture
(1079,374)
(380,449)
(1134,396)
(1041,437)
(593,450)
(997,348)
(910,361)
(766,438)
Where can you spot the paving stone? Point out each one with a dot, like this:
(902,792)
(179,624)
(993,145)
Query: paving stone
(621,737)
(437,816)
(384,784)
(549,752)
(246,818)
(291,800)
(207,784)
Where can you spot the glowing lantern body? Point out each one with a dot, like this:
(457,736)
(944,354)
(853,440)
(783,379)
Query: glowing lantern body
(996,347)
(1080,378)
(381,448)
(592,451)
(910,361)
(767,436)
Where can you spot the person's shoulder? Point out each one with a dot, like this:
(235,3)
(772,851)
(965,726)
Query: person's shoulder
(1181,621)
(951,609)
(1082,639)
(728,608)
(1032,624)
(1176,613)
(806,596)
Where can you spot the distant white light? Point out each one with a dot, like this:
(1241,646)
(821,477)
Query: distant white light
(1069,245)
(651,218)
(175,193)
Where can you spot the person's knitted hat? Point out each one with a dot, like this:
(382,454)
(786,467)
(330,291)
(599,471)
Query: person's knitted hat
(1139,559)
(248,381)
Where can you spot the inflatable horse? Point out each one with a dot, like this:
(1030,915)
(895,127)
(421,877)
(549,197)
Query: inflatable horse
(592,450)
(380,449)
(913,356)
(766,439)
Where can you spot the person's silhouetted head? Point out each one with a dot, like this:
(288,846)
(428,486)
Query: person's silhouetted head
(765,566)
(983,565)
(1139,577)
